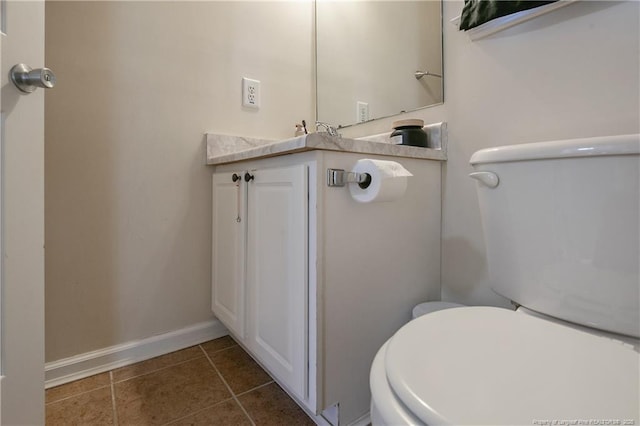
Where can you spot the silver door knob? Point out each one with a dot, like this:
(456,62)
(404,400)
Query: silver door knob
(28,80)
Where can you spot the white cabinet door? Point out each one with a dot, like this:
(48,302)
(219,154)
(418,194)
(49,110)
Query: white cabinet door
(228,251)
(277,278)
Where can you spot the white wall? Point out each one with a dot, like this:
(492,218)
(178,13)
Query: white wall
(128,204)
(572,73)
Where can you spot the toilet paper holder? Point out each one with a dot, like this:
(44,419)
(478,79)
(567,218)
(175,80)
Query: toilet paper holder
(340,177)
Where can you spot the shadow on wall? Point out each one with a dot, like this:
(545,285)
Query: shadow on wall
(463,280)
(128,210)
(80,197)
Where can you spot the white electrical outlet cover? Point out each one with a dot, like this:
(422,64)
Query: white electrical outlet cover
(362,112)
(250,93)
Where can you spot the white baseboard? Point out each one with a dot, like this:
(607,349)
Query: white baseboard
(94,362)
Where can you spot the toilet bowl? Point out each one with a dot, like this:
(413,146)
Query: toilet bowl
(561,222)
(494,366)
(393,411)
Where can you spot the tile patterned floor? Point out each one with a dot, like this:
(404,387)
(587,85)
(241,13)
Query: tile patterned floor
(215,383)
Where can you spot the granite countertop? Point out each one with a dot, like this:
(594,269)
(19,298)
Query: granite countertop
(223,149)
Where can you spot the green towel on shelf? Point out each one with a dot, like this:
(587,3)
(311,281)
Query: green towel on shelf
(477,12)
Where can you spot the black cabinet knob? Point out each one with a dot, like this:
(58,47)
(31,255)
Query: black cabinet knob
(248,177)
(235,177)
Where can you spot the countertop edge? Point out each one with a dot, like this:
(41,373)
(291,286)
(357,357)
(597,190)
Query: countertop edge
(320,141)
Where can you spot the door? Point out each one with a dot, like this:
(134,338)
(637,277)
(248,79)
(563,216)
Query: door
(228,250)
(277,273)
(22,222)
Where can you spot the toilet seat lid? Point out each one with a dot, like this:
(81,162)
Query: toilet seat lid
(483,365)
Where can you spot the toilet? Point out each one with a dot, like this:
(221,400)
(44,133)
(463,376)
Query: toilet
(561,225)
(430,307)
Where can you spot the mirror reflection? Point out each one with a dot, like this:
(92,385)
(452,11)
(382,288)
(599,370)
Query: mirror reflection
(377,58)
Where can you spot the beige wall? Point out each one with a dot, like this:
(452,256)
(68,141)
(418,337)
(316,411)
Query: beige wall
(127,191)
(571,73)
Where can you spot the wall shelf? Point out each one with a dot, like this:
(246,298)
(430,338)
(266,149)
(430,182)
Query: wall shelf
(504,22)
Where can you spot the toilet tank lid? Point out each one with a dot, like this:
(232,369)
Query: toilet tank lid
(584,147)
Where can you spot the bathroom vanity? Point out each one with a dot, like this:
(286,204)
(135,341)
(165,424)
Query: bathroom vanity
(309,281)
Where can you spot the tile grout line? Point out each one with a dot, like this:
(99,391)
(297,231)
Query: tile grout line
(233,395)
(170,422)
(156,370)
(223,349)
(113,399)
(76,394)
(257,387)
(168,366)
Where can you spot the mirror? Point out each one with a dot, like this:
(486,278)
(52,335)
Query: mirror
(368,53)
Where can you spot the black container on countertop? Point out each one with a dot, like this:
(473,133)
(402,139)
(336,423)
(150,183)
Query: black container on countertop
(410,132)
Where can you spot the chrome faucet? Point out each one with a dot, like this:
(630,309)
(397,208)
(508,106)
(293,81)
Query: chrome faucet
(332,131)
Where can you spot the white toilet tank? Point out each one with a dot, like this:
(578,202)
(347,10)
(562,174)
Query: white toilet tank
(561,221)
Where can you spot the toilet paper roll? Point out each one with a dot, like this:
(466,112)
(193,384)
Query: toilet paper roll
(388,181)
